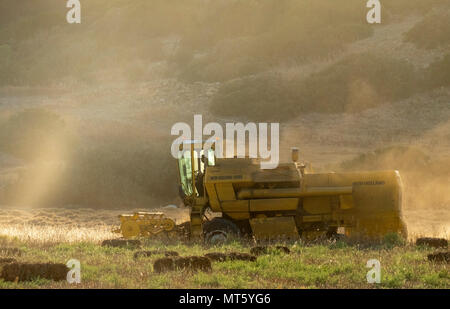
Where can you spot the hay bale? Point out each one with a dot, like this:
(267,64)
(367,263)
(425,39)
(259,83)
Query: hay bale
(190,263)
(27,271)
(432,242)
(284,249)
(7,260)
(259,250)
(164,264)
(171,253)
(7,251)
(217,256)
(121,243)
(241,256)
(200,263)
(232,256)
(439,257)
(182,263)
(139,254)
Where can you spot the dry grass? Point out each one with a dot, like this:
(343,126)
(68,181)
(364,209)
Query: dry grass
(51,226)
(56,234)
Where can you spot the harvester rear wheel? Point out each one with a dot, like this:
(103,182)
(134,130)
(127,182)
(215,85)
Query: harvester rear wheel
(219,230)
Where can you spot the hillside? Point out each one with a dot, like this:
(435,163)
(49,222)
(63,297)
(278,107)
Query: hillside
(113,86)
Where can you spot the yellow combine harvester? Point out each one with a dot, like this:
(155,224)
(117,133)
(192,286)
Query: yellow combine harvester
(285,202)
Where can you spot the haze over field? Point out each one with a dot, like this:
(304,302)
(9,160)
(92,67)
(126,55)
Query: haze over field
(86,110)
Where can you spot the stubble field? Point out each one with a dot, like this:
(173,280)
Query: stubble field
(59,235)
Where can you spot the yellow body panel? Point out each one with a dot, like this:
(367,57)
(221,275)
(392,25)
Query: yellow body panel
(274,227)
(367,203)
(346,201)
(235,206)
(317,205)
(213,198)
(225,192)
(278,204)
(239,215)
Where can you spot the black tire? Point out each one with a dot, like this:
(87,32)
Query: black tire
(219,230)
(332,233)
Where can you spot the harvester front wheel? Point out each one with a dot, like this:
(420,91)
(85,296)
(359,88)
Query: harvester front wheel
(219,230)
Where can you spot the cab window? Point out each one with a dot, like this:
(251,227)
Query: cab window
(185,167)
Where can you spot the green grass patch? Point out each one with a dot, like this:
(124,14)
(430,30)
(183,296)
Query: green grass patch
(311,266)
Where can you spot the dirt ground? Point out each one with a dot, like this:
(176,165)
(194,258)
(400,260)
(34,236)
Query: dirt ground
(55,225)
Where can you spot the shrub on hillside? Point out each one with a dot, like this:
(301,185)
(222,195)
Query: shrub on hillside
(438,73)
(431,32)
(356,83)
(252,37)
(212,40)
